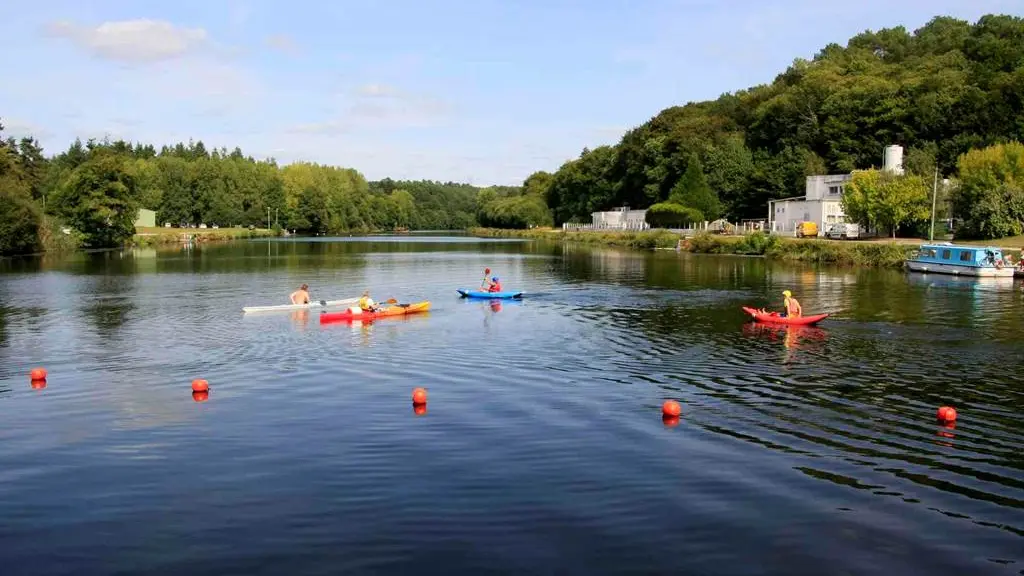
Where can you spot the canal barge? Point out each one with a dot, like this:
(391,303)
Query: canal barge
(948,258)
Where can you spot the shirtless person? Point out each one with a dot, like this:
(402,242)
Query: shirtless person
(301,296)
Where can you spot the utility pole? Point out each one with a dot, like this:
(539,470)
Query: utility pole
(935,190)
(268,217)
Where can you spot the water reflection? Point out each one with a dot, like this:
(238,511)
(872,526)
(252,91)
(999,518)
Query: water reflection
(810,420)
(300,319)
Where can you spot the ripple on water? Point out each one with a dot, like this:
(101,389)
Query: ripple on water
(541,448)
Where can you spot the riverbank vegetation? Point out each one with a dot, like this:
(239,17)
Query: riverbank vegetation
(944,92)
(868,253)
(145,236)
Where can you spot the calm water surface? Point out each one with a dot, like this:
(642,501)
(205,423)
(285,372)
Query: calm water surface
(542,449)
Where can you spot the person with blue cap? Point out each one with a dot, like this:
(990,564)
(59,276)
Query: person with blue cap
(493,285)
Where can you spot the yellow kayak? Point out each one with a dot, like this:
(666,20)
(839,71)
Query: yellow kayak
(355,313)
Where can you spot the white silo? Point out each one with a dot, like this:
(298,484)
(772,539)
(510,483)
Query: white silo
(892,160)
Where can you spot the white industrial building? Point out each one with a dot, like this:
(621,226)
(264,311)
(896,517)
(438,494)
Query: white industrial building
(821,202)
(619,219)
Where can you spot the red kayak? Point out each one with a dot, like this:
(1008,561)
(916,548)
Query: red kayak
(774,317)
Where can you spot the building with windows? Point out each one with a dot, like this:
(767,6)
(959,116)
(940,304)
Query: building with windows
(822,199)
(820,204)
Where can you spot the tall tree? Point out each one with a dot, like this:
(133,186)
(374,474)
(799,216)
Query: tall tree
(693,191)
(100,200)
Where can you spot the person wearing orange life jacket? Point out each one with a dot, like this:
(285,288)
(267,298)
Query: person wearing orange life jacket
(793,308)
(494,285)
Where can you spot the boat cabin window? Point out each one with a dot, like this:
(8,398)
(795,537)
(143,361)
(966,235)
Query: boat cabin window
(966,256)
(946,254)
(929,253)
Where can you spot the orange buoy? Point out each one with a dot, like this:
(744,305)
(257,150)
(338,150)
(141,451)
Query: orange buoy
(419,409)
(38,374)
(200,385)
(38,384)
(947,414)
(670,421)
(671,408)
(419,396)
(200,396)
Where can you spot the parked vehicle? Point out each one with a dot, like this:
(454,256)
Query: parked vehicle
(806,229)
(843,230)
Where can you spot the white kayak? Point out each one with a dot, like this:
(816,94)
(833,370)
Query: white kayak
(319,304)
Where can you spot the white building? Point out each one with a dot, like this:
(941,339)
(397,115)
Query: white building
(619,219)
(821,202)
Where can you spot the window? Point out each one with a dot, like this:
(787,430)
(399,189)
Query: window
(946,254)
(930,254)
(835,190)
(965,256)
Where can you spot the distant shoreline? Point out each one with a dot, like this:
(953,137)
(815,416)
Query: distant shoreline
(873,253)
(153,236)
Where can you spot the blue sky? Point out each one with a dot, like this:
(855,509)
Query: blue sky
(484,91)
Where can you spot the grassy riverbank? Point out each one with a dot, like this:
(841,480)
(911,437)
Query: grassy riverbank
(646,239)
(158,236)
(883,254)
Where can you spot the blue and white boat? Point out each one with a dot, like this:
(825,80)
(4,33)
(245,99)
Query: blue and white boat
(947,258)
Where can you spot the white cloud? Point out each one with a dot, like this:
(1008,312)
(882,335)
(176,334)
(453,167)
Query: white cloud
(20,129)
(132,41)
(327,128)
(378,106)
(283,43)
(378,91)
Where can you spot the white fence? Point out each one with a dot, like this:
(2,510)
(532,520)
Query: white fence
(719,226)
(569,226)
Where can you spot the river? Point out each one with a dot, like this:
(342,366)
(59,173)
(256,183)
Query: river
(542,448)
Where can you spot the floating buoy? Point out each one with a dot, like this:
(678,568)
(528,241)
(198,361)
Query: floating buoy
(671,408)
(670,421)
(419,396)
(200,396)
(947,414)
(38,384)
(200,385)
(38,374)
(419,409)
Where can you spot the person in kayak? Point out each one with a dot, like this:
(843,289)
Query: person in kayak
(793,308)
(366,303)
(494,285)
(301,296)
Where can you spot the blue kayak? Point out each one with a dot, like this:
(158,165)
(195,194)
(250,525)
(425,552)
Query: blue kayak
(489,295)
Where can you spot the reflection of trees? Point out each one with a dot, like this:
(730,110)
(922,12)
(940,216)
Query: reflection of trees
(109,302)
(4,313)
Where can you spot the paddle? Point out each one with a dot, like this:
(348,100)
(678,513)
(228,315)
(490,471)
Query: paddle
(484,281)
(394,302)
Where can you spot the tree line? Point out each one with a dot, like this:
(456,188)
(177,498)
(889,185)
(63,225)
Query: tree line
(941,91)
(951,93)
(96,189)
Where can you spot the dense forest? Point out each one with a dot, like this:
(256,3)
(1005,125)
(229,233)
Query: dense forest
(941,91)
(97,188)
